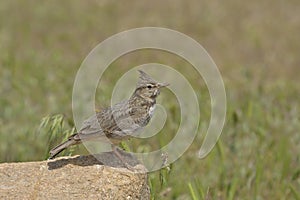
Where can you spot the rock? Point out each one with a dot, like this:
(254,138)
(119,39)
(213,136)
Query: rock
(78,177)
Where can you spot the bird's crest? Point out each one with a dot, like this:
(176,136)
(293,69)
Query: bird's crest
(145,79)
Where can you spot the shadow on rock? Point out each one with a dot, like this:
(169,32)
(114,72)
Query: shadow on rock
(107,159)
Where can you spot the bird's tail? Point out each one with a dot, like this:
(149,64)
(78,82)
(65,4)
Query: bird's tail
(59,148)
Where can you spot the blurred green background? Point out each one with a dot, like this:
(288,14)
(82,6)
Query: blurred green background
(255,45)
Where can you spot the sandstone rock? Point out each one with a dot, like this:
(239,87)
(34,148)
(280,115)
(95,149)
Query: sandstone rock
(79,177)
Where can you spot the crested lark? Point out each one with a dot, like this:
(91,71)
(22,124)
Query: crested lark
(121,120)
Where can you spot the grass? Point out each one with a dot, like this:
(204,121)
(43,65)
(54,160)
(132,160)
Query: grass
(257,156)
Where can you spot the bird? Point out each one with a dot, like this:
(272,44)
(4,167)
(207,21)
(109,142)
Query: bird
(120,121)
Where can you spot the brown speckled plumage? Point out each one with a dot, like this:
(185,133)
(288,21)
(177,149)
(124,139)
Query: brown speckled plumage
(121,120)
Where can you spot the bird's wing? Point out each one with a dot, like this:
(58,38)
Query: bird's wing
(132,119)
(90,129)
(110,121)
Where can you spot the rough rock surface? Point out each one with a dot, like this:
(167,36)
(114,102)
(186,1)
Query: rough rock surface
(79,177)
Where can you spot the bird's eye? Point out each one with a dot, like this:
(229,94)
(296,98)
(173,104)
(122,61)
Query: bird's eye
(149,86)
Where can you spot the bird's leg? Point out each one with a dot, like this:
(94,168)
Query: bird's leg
(117,153)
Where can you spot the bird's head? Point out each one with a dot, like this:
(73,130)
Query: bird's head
(147,87)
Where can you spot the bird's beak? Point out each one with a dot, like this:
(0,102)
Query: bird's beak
(163,85)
